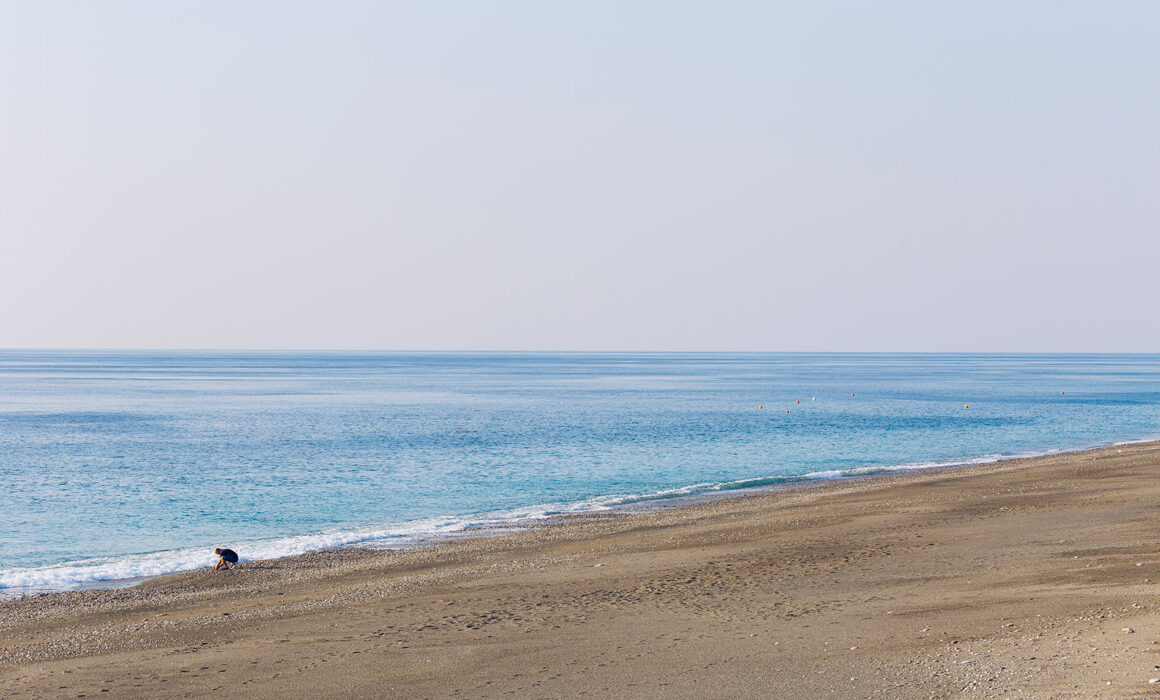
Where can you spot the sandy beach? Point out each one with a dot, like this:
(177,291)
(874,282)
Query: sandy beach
(1031,578)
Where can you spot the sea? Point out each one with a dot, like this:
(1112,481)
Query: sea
(116,466)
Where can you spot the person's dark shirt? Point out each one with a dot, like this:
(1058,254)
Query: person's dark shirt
(230,556)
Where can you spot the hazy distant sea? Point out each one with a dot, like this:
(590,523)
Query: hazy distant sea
(124,464)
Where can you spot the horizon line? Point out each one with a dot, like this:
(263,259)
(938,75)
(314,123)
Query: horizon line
(557,351)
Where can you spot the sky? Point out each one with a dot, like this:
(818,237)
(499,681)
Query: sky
(653,176)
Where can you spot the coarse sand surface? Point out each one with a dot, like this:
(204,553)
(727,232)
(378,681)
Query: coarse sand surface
(1027,578)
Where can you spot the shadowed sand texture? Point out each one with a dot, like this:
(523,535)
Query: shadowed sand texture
(1031,578)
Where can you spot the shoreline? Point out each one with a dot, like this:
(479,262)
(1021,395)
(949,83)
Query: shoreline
(494,522)
(1016,577)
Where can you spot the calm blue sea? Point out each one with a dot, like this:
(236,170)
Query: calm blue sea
(123,464)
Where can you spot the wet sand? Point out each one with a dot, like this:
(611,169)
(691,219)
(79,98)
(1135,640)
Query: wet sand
(1032,578)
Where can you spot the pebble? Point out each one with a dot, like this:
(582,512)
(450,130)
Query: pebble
(1129,630)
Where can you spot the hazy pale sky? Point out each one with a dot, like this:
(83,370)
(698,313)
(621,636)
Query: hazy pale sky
(580,176)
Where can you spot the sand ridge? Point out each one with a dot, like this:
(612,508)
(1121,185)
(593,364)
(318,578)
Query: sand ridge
(1013,579)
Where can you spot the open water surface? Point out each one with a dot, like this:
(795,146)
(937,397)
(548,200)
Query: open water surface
(122,464)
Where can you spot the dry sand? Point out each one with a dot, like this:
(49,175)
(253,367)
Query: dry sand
(1015,579)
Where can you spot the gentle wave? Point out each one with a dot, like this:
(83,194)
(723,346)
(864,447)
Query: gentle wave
(93,572)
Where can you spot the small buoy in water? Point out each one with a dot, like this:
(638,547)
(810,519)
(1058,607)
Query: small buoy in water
(759,407)
(813,398)
(787,410)
(966,405)
(797,401)
(1046,402)
(1062,393)
(851,393)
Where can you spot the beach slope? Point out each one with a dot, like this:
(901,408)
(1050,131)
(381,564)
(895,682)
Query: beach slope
(1024,578)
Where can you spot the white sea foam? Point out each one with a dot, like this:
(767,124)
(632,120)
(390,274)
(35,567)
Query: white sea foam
(105,571)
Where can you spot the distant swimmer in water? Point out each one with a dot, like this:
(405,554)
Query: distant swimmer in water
(226,557)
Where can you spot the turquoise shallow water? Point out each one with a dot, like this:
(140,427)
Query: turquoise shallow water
(122,464)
